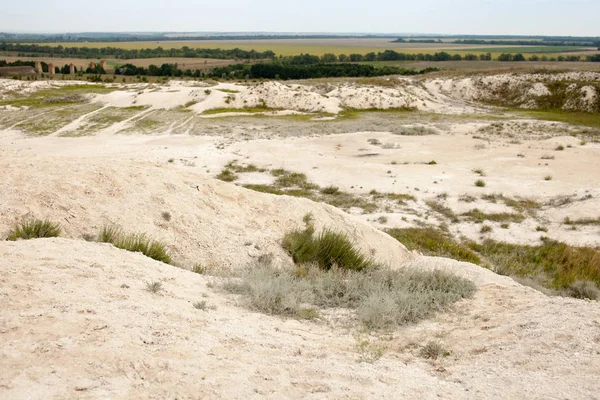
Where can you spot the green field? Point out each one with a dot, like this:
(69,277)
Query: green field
(319,47)
(529,49)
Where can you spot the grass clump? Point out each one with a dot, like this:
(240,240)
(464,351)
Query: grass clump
(480,183)
(154,287)
(479,216)
(328,250)
(433,351)
(33,229)
(380,298)
(227,175)
(138,243)
(433,242)
(442,209)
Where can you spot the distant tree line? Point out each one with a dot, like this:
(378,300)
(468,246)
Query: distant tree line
(126,37)
(32,50)
(272,70)
(527,42)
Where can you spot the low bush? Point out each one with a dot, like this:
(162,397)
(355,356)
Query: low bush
(381,298)
(33,229)
(138,243)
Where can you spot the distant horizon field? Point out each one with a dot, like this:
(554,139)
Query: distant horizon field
(290,47)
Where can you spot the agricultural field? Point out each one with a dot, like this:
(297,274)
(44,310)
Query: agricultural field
(287,47)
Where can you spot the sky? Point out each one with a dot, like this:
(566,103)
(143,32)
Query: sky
(498,17)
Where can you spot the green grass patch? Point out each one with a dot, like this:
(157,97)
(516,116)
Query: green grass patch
(442,209)
(33,229)
(138,243)
(560,263)
(479,216)
(434,242)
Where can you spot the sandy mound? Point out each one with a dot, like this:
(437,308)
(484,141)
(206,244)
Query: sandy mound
(77,322)
(212,223)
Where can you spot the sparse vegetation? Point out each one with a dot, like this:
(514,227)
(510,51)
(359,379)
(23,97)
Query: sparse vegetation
(442,209)
(166,216)
(433,351)
(227,175)
(154,287)
(479,216)
(479,172)
(480,183)
(138,243)
(35,228)
(486,229)
(380,298)
(548,178)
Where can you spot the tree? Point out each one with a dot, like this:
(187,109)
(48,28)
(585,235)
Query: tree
(329,58)
(370,56)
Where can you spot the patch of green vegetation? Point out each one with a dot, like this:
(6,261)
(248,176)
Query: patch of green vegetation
(519,204)
(249,110)
(479,216)
(226,175)
(582,221)
(327,250)
(55,97)
(228,90)
(433,242)
(442,209)
(138,243)
(560,263)
(400,198)
(53,120)
(33,229)
(235,167)
(352,113)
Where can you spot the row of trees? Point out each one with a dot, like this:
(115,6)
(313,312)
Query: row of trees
(32,50)
(273,70)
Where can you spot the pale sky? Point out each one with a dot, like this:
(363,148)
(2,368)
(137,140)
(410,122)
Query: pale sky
(510,17)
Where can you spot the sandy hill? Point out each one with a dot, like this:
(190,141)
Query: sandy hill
(77,322)
(211,222)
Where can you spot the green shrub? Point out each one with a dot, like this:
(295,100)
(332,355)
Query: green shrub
(34,229)
(227,175)
(327,250)
(138,243)
(479,183)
